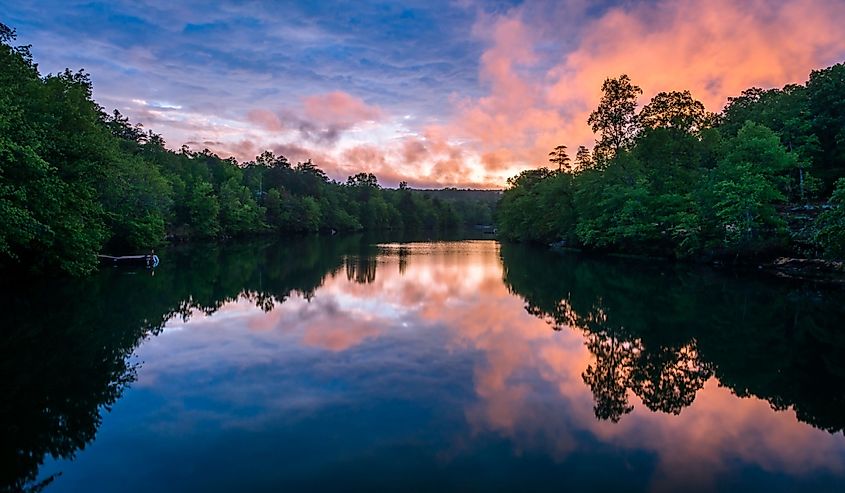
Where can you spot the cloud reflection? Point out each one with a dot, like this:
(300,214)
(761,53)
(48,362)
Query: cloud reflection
(430,311)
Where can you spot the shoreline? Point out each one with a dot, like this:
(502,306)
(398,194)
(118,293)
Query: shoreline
(795,269)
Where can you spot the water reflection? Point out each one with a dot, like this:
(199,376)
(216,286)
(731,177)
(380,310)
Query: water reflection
(354,363)
(661,331)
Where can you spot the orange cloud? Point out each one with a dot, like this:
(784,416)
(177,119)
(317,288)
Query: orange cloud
(541,75)
(715,49)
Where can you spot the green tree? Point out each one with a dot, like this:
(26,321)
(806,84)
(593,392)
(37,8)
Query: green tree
(831,224)
(239,213)
(826,111)
(677,110)
(746,185)
(615,117)
(204,210)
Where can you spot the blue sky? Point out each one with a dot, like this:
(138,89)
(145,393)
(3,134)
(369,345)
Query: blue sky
(255,52)
(439,92)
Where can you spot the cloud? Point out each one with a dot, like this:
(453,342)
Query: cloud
(538,99)
(450,93)
(338,109)
(266,119)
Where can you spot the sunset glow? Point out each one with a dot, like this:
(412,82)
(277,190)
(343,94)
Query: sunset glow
(448,93)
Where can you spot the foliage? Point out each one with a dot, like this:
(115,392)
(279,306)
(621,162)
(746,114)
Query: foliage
(615,117)
(676,180)
(831,224)
(678,110)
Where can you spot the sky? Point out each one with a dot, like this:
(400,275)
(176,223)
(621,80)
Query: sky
(437,93)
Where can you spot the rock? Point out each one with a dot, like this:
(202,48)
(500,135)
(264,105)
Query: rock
(818,270)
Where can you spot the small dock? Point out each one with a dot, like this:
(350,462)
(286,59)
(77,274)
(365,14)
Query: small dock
(148,260)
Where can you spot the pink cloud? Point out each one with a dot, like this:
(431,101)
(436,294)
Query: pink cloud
(339,109)
(266,120)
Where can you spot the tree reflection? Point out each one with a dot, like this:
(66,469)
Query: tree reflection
(661,331)
(61,366)
(66,345)
(667,379)
(609,378)
(361,269)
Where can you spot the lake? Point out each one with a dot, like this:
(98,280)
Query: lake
(363,364)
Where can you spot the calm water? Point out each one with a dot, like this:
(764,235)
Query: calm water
(353,365)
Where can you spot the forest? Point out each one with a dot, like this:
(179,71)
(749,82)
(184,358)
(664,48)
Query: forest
(76,180)
(763,178)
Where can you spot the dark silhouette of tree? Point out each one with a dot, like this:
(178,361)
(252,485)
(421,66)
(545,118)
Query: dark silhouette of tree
(558,156)
(583,159)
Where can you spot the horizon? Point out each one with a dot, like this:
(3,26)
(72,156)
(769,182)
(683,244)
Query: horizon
(457,94)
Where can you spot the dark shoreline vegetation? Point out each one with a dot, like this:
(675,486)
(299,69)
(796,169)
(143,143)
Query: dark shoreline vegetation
(788,353)
(75,181)
(761,180)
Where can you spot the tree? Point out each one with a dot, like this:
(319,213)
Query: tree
(307,214)
(558,156)
(830,225)
(826,111)
(366,185)
(676,110)
(609,378)
(615,117)
(368,180)
(276,216)
(583,159)
(746,187)
(204,209)
(270,160)
(239,213)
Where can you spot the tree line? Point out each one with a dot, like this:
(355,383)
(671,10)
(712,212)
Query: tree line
(75,180)
(764,176)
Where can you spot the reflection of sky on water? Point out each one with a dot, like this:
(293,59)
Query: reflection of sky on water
(435,376)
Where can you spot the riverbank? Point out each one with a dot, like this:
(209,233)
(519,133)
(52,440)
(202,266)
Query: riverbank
(798,269)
